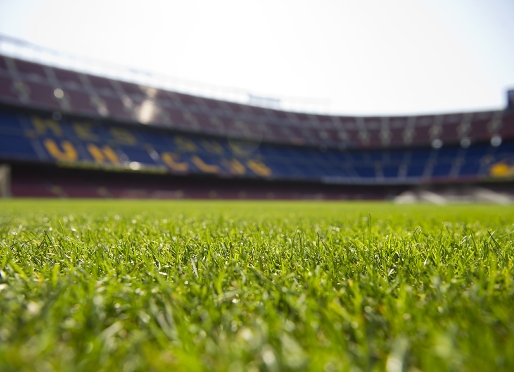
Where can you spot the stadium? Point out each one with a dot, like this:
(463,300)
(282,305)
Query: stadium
(151,224)
(71,134)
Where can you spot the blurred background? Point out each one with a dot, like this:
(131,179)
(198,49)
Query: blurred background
(395,100)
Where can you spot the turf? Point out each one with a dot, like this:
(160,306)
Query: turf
(230,286)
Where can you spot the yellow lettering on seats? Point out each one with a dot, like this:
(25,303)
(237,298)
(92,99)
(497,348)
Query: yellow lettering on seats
(238,149)
(207,168)
(259,168)
(212,146)
(235,166)
(123,136)
(171,161)
(501,169)
(185,144)
(83,131)
(42,125)
(68,152)
(101,155)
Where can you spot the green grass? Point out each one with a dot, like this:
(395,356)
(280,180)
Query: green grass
(230,286)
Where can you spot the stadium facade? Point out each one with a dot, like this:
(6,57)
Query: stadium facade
(67,133)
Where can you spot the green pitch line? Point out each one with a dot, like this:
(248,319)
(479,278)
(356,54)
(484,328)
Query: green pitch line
(231,286)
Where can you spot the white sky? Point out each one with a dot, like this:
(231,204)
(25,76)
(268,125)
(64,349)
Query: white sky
(362,56)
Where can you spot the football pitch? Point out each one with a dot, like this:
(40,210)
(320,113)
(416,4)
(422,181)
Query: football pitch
(251,286)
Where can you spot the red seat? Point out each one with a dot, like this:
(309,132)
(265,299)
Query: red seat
(31,70)
(81,102)
(68,77)
(3,65)
(7,91)
(116,108)
(42,95)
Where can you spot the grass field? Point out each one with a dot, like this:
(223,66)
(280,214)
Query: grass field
(230,286)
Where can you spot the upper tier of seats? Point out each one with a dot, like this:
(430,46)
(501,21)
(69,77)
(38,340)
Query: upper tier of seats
(33,85)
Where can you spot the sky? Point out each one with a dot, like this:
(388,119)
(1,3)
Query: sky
(362,57)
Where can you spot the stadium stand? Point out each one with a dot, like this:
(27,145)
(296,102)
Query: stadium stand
(70,120)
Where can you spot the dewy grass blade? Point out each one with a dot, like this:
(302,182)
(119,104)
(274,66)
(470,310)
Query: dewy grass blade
(188,285)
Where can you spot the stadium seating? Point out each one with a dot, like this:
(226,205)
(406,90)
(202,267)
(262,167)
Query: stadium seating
(101,144)
(32,85)
(68,122)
